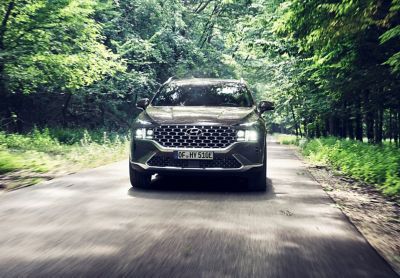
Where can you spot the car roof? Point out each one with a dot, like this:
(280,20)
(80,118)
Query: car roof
(204,81)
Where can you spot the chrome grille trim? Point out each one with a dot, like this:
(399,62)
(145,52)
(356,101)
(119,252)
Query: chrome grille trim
(195,136)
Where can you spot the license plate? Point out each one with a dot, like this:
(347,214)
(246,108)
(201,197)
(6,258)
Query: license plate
(194,155)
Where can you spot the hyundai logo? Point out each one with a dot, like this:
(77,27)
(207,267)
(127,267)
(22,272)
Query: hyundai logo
(193,131)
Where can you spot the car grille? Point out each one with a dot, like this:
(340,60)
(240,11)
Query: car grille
(194,136)
(219,162)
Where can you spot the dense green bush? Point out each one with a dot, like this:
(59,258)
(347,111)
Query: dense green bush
(78,135)
(44,150)
(54,140)
(38,140)
(375,164)
(8,162)
(287,139)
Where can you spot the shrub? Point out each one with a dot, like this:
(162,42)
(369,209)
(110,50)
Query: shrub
(43,150)
(287,139)
(375,164)
(8,162)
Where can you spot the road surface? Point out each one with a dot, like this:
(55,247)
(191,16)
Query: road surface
(93,224)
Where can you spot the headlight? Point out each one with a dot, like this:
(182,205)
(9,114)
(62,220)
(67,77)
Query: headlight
(247,135)
(144,133)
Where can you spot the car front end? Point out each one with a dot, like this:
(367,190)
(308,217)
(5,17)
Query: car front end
(199,127)
(197,148)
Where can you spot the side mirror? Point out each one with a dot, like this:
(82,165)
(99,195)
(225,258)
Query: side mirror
(142,103)
(264,106)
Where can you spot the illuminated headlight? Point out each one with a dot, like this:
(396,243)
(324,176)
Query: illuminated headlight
(241,134)
(247,135)
(149,133)
(144,133)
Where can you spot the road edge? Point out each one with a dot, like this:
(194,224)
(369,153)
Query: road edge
(311,169)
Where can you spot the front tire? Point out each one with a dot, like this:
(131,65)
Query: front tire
(258,180)
(139,179)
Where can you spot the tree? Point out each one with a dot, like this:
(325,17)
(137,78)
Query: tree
(50,46)
(347,76)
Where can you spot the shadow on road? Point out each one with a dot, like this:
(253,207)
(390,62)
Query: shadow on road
(168,187)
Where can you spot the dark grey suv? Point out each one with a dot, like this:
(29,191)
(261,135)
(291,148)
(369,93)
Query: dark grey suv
(200,126)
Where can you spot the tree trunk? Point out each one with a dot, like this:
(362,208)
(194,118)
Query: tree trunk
(296,126)
(331,126)
(392,125)
(343,126)
(350,128)
(379,125)
(369,121)
(325,129)
(343,119)
(397,130)
(317,128)
(305,128)
(65,109)
(3,28)
(359,127)
(369,118)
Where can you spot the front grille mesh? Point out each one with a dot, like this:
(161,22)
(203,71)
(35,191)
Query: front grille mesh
(166,161)
(177,136)
(226,162)
(217,162)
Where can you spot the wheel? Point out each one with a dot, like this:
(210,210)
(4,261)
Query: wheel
(138,179)
(258,181)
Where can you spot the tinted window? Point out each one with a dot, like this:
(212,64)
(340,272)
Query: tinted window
(218,94)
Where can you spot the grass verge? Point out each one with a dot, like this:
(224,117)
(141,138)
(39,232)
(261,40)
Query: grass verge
(374,164)
(27,159)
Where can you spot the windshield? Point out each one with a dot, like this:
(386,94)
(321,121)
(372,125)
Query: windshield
(218,94)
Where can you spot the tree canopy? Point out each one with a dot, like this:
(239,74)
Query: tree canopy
(52,45)
(332,67)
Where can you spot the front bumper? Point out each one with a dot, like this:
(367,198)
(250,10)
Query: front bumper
(246,156)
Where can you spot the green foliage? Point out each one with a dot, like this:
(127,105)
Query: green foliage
(370,163)
(109,54)
(53,150)
(332,67)
(52,44)
(393,34)
(286,139)
(32,161)
(36,140)
(322,62)
(8,162)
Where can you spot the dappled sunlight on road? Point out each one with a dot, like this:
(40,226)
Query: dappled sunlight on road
(92,223)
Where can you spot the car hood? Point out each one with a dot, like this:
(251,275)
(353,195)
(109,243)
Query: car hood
(196,114)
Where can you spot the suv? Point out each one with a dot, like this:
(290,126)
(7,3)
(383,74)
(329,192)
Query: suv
(200,126)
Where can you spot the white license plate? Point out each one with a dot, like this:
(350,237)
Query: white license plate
(194,155)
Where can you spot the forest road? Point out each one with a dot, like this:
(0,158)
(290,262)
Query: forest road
(91,224)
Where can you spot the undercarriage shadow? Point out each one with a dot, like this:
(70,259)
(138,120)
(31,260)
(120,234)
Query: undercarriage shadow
(175,187)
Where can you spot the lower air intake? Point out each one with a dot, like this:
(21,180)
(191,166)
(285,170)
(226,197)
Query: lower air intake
(228,162)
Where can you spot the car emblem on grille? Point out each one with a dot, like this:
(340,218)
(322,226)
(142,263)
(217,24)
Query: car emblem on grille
(193,131)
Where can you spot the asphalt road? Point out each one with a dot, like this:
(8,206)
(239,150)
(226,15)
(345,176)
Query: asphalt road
(92,224)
